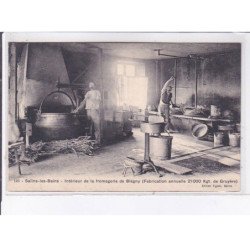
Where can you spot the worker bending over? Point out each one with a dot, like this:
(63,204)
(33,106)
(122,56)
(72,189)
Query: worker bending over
(92,103)
(165,101)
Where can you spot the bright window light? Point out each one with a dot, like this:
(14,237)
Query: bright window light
(120,69)
(130,70)
(137,92)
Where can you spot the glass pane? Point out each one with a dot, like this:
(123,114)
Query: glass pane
(140,70)
(120,69)
(130,70)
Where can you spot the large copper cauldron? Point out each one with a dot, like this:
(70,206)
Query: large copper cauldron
(57,126)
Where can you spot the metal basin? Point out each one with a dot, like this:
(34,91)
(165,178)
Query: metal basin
(57,126)
(152,128)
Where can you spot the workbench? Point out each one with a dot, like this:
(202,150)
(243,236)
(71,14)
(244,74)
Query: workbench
(153,117)
(212,122)
(203,118)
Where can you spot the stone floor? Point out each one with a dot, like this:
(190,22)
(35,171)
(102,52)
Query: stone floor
(200,156)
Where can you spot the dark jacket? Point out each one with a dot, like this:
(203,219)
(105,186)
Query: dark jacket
(166,97)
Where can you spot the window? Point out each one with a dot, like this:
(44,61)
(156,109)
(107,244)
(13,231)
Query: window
(120,69)
(132,85)
(130,70)
(140,70)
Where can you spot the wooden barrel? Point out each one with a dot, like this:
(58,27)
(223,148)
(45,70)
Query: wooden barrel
(160,147)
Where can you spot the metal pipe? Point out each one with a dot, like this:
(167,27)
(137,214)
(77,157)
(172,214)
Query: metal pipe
(161,54)
(196,84)
(16,88)
(156,79)
(202,55)
(197,56)
(175,76)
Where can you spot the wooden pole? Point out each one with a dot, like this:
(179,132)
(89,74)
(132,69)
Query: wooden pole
(21,82)
(25,71)
(13,82)
(146,150)
(100,63)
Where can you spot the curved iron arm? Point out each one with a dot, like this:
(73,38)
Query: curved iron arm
(52,93)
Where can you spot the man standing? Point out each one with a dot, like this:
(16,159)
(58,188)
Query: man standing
(92,103)
(165,101)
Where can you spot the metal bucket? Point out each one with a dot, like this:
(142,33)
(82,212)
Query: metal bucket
(57,126)
(234,139)
(238,127)
(220,139)
(160,147)
(200,131)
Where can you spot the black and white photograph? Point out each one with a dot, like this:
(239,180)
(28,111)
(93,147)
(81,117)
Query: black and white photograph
(124,124)
(119,116)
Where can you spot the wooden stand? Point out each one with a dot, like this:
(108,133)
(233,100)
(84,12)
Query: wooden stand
(147,159)
(16,146)
(147,129)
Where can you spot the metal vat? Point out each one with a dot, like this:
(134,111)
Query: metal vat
(152,128)
(57,126)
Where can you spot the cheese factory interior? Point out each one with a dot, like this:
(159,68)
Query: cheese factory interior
(124,109)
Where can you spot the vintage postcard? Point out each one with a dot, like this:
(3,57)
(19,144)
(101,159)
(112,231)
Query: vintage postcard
(122,113)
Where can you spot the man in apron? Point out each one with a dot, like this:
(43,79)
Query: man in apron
(165,102)
(92,102)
